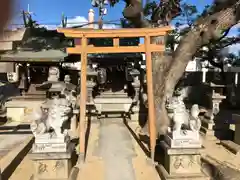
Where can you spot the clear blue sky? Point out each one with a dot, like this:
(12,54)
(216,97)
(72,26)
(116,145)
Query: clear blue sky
(49,11)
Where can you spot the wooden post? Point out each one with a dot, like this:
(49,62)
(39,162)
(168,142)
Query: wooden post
(151,108)
(116,42)
(83,97)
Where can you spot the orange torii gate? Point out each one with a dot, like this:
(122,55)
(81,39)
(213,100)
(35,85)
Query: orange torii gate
(116,34)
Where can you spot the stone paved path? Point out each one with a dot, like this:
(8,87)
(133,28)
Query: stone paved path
(113,154)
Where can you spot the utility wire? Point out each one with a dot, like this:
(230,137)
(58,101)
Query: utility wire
(179,19)
(59,23)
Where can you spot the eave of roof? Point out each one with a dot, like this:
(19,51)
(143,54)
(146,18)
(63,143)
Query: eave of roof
(34,56)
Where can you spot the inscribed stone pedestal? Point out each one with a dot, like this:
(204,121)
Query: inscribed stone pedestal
(189,140)
(52,166)
(181,163)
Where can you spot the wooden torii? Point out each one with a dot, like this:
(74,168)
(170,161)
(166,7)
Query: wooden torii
(85,34)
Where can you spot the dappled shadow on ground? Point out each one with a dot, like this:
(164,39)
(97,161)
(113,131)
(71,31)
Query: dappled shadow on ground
(88,130)
(223,120)
(144,143)
(3,120)
(16,132)
(6,174)
(18,129)
(138,140)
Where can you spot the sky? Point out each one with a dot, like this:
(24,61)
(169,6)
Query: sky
(48,12)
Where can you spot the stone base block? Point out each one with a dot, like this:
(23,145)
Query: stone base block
(112,104)
(52,166)
(47,138)
(166,176)
(49,148)
(184,141)
(181,163)
(18,109)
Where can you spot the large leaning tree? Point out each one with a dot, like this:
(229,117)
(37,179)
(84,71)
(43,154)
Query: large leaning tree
(210,27)
(216,52)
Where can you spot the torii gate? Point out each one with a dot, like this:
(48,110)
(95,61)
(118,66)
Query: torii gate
(85,48)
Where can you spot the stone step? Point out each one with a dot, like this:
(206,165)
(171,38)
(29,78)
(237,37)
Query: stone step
(29,97)
(36,92)
(112,101)
(113,96)
(112,104)
(110,94)
(116,108)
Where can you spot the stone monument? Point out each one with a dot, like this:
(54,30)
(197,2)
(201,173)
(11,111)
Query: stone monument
(53,74)
(208,123)
(52,150)
(182,144)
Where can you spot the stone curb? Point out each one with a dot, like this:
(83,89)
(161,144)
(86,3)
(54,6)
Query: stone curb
(74,173)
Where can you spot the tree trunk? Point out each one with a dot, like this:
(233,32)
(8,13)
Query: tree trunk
(160,66)
(169,69)
(208,29)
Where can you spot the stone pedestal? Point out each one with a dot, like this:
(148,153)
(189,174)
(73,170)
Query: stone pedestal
(103,104)
(52,166)
(189,140)
(46,144)
(136,86)
(136,105)
(181,163)
(74,124)
(208,130)
(208,125)
(90,86)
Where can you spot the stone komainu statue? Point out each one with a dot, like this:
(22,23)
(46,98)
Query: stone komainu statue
(180,116)
(52,117)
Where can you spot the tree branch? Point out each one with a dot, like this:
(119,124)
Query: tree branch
(202,34)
